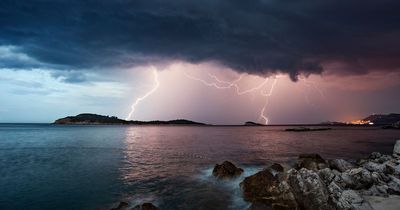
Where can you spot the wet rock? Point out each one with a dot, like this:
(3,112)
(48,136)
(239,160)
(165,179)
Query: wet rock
(396,149)
(277,167)
(268,188)
(121,205)
(226,170)
(312,162)
(340,165)
(146,206)
(308,189)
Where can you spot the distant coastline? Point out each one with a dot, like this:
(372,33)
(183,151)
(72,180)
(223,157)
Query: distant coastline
(390,121)
(95,119)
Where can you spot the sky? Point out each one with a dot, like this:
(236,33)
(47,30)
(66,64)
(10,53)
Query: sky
(214,61)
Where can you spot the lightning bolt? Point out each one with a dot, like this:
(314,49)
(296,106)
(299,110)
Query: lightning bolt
(267,95)
(138,100)
(221,84)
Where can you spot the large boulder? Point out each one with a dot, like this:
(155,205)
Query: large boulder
(268,188)
(340,165)
(312,162)
(346,199)
(226,170)
(356,178)
(340,198)
(308,189)
(146,206)
(396,149)
(276,167)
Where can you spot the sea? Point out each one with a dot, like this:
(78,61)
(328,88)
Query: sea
(85,167)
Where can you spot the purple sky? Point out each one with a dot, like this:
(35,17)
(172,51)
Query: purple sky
(330,60)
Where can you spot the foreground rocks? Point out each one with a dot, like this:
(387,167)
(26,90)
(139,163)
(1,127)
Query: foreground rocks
(312,162)
(226,170)
(268,189)
(316,184)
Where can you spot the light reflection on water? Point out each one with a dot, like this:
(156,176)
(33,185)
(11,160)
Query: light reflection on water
(171,166)
(94,167)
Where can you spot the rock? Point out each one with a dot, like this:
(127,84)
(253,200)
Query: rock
(375,155)
(356,178)
(396,149)
(394,186)
(374,167)
(121,205)
(346,199)
(277,167)
(343,199)
(376,190)
(340,165)
(146,206)
(226,170)
(351,200)
(308,189)
(312,162)
(268,188)
(327,175)
(392,167)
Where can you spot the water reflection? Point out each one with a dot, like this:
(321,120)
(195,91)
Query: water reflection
(171,166)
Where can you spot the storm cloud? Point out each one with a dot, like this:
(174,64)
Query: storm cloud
(258,37)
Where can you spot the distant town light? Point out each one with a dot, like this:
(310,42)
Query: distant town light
(360,122)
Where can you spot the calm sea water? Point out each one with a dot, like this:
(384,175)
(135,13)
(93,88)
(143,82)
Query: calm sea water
(95,167)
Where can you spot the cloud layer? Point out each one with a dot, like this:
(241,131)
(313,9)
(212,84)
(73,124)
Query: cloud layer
(261,36)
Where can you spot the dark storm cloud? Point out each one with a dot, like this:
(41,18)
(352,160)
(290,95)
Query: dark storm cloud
(263,36)
(70,76)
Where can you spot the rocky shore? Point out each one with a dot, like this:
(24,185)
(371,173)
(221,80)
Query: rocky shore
(313,183)
(316,184)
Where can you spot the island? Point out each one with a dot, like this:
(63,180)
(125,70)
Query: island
(304,129)
(95,119)
(250,123)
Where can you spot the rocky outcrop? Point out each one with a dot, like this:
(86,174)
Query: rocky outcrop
(226,170)
(308,189)
(268,189)
(312,162)
(340,165)
(316,184)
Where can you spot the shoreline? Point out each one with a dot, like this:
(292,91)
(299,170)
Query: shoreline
(313,183)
